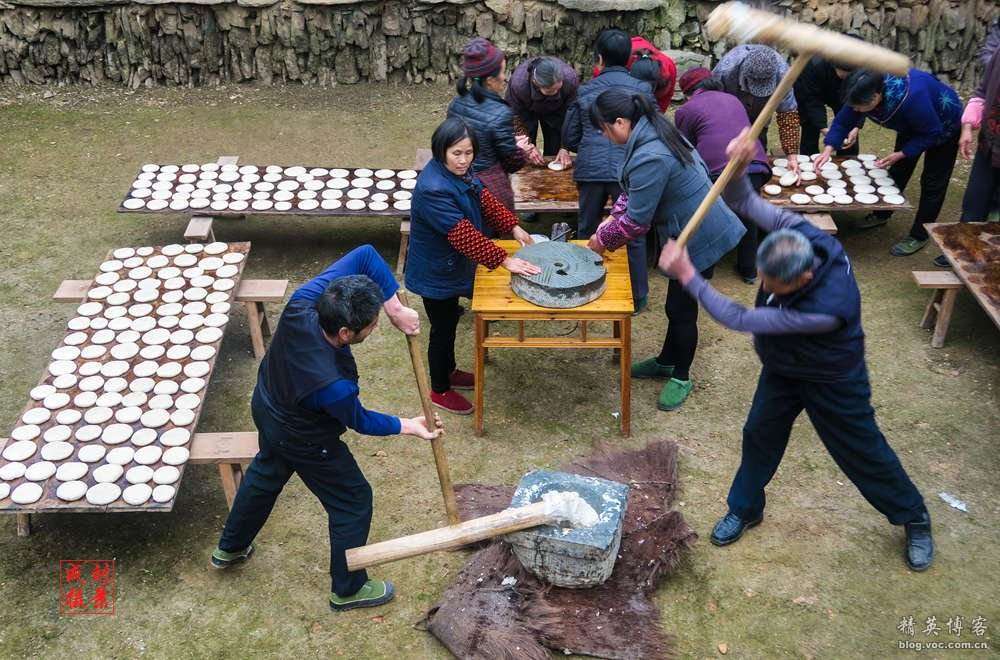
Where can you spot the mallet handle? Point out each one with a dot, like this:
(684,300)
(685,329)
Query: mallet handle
(451,537)
(739,22)
(437,444)
(763,118)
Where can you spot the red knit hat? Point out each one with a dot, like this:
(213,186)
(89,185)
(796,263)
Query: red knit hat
(692,77)
(480,58)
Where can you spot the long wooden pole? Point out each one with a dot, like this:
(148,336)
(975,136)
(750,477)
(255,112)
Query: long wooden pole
(437,444)
(451,537)
(731,168)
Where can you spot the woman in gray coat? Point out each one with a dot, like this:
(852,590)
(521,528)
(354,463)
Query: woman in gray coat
(664,180)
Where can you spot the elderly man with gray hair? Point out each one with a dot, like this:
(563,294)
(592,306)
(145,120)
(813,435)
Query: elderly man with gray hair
(806,328)
(539,92)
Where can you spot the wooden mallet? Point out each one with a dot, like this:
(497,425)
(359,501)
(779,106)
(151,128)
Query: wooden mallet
(437,444)
(564,507)
(738,22)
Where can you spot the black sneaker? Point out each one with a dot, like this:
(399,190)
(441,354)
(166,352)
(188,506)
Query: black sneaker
(731,528)
(941,261)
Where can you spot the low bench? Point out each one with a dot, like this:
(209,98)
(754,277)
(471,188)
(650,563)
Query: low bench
(945,285)
(230,451)
(822,221)
(252,293)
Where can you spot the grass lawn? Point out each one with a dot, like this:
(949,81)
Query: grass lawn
(822,577)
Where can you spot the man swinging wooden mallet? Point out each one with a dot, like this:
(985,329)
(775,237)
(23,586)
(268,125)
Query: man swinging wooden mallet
(807,321)
(306,398)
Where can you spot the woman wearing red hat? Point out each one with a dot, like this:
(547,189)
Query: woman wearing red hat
(709,120)
(481,106)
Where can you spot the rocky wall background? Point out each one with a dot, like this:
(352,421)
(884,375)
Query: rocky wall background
(326,42)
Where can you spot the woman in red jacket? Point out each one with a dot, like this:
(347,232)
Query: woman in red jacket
(655,67)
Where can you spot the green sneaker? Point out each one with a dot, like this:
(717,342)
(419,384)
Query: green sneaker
(373,594)
(673,394)
(223,559)
(907,246)
(651,369)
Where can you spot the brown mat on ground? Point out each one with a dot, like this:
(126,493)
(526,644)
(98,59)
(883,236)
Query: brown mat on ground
(478,617)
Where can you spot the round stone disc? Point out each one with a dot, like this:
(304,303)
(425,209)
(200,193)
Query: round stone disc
(571,276)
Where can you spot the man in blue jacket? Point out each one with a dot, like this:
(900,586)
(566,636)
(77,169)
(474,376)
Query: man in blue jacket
(306,398)
(806,328)
(598,160)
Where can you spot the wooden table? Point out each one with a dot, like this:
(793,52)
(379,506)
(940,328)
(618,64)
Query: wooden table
(493,300)
(541,190)
(971,281)
(784,199)
(49,502)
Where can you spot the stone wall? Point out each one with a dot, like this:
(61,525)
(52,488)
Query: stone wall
(325,42)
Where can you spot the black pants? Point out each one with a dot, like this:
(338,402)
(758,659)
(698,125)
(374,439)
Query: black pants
(329,471)
(809,142)
(939,162)
(844,419)
(746,251)
(983,188)
(444,316)
(681,340)
(551,131)
(594,197)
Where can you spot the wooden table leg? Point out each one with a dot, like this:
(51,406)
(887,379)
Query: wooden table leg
(930,312)
(616,332)
(256,336)
(229,482)
(265,327)
(626,375)
(944,317)
(480,372)
(23,524)
(486,333)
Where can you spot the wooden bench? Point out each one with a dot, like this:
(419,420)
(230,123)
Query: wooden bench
(252,293)
(230,451)
(945,285)
(823,221)
(199,230)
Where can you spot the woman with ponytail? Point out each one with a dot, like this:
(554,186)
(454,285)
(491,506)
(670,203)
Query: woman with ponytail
(481,106)
(663,180)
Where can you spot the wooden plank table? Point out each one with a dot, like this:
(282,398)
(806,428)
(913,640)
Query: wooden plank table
(541,190)
(396,182)
(784,199)
(493,300)
(49,502)
(978,283)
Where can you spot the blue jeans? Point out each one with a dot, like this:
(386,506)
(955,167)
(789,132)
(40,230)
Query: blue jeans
(328,470)
(844,419)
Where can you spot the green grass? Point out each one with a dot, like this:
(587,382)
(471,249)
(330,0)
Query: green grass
(823,576)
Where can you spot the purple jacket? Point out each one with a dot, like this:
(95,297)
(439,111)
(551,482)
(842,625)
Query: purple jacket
(709,120)
(525,99)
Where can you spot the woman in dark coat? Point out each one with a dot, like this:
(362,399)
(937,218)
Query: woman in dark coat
(450,211)
(664,180)
(480,105)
